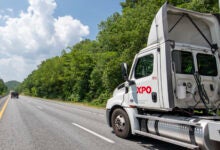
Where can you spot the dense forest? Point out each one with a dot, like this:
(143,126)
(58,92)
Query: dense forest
(90,70)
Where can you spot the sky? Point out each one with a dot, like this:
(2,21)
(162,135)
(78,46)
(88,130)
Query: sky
(34,30)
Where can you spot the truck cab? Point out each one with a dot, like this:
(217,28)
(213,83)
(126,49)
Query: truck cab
(172,92)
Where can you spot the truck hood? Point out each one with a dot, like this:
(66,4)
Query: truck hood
(182,26)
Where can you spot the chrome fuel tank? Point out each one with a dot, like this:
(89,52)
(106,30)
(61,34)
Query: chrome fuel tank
(185,129)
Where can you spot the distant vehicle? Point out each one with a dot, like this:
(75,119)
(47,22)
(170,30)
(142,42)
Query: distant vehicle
(14,95)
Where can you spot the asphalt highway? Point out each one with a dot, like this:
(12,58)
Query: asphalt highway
(36,124)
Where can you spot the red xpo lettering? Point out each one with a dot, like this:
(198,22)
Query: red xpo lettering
(143,89)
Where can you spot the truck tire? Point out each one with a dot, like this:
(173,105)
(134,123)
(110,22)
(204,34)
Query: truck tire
(121,123)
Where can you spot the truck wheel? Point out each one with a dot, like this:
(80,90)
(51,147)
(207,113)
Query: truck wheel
(121,123)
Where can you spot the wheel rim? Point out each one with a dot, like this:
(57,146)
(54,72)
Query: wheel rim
(120,123)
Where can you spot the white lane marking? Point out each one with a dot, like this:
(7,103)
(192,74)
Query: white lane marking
(92,132)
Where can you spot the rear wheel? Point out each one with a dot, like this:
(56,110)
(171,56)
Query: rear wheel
(121,123)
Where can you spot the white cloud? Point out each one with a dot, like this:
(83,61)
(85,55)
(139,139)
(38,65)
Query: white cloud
(5,14)
(16,68)
(10,10)
(33,36)
(65,30)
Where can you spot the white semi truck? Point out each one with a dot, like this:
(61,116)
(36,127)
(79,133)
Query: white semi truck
(173,90)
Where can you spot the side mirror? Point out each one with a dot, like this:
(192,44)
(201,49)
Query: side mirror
(124,70)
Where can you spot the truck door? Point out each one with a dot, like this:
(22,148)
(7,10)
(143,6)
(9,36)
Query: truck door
(145,91)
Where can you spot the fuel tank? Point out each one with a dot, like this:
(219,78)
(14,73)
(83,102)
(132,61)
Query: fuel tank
(196,131)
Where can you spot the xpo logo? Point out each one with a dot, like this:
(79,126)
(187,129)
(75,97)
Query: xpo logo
(144,89)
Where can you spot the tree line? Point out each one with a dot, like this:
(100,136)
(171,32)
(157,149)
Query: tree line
(90,70)
(3,88)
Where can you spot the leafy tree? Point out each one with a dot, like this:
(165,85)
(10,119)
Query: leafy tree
(90,70)
(206,6)
(3,87)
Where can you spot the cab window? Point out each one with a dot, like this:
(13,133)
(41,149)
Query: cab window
(144,66)
(207,65)
(183,62)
